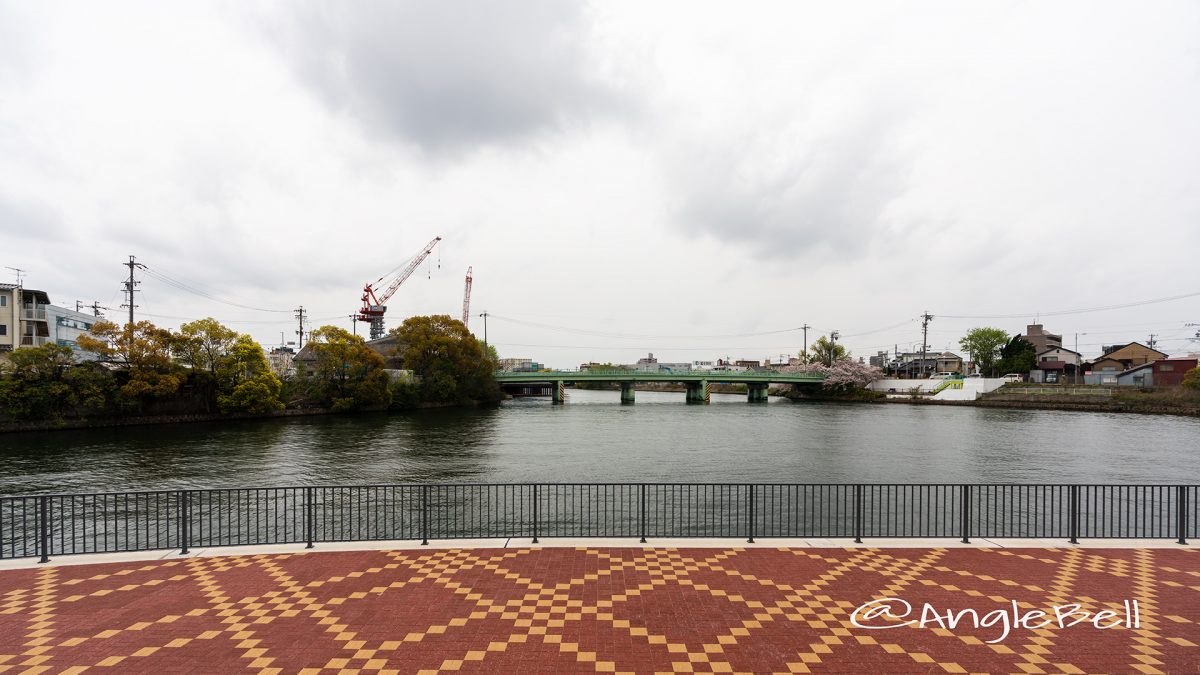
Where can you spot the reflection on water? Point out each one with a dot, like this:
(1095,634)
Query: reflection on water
(594,438)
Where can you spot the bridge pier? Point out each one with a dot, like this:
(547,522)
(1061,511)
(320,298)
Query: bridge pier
(697,392)
(558,393)
(757,392)
(627,392)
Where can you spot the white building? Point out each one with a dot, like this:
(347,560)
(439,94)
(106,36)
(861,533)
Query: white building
(27,319)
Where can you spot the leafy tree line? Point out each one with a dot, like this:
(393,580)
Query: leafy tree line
(207,367)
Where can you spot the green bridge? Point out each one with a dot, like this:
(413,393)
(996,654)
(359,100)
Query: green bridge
(697,381)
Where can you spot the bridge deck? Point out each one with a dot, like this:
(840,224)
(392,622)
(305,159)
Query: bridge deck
(749,377)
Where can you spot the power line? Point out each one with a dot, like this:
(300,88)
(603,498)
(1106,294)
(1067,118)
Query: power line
(188,288)
(636,336)
(1064,312)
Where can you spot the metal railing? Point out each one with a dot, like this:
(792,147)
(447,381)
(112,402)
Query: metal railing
(65,524)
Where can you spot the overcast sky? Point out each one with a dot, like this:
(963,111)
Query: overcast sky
(626,177)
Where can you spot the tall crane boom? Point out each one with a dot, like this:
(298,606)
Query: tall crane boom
(375,304)
(467,298)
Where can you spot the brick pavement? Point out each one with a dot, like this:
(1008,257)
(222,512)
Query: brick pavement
(600,610)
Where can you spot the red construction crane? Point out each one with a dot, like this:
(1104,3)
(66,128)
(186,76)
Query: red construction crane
(467,298)
(375,304)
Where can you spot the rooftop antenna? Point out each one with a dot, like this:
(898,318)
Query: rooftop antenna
(19,272)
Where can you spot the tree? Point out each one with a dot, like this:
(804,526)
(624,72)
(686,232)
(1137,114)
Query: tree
(1018,356)
(452,364)
(34,384)
(145,349)
(829,353)
(243,372)
(1191,380)
(984,345)
(346,374)
(202,344)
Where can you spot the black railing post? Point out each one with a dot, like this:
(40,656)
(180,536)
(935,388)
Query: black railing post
(642,512)
(1074,506)
(425,515)
(310,507)
(44,527)
(184,530)
(858,508)
(535,512)
(966,514)
(1182,519)
(750,524)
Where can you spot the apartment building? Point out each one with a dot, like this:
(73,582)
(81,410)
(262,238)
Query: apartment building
(27,319)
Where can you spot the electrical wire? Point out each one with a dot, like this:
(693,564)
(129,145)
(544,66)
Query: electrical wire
(1065,312)
(634,336)
(183,286)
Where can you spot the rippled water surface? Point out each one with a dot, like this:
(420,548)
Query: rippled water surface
(593,438)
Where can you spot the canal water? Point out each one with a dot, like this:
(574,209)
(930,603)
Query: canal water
(595,439)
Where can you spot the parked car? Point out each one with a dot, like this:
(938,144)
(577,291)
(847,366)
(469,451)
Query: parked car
(1012,377)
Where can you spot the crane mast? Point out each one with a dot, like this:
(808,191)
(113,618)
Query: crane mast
(375,304)
(467,298)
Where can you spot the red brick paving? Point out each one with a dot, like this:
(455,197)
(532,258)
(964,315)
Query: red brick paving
(597,610)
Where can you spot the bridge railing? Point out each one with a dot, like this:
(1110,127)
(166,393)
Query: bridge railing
(628,373)
(64,524)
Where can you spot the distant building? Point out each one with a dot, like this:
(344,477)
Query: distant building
(1170,372)
(282,361)
(948,362)
(1137,376)
(647,364)
(702,365)
(1056,365)
(1119,358)
(27,319)
(1060,354)
(1041,340)
(880,360)
(520,365)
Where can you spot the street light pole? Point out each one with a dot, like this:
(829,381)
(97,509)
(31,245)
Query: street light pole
(485,316)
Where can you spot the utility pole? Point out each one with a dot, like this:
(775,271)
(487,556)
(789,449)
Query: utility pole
(300,323)
(95,307)
(485,316)
(925,319)
(805,328)
(131,286)
(354,323)
(1151,342)
(833,336)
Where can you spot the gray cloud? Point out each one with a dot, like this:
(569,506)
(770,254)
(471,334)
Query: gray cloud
(826,194)
(27,221)
(448,76)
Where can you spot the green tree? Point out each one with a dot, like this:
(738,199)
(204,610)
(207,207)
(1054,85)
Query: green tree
(246,381)
(203,345)
(1018,356)
(984,345)
(1191,380)
(345,373)
(34,383)
(826,352)
(452,365)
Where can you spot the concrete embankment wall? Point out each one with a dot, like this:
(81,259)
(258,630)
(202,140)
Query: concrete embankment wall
(972,387)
